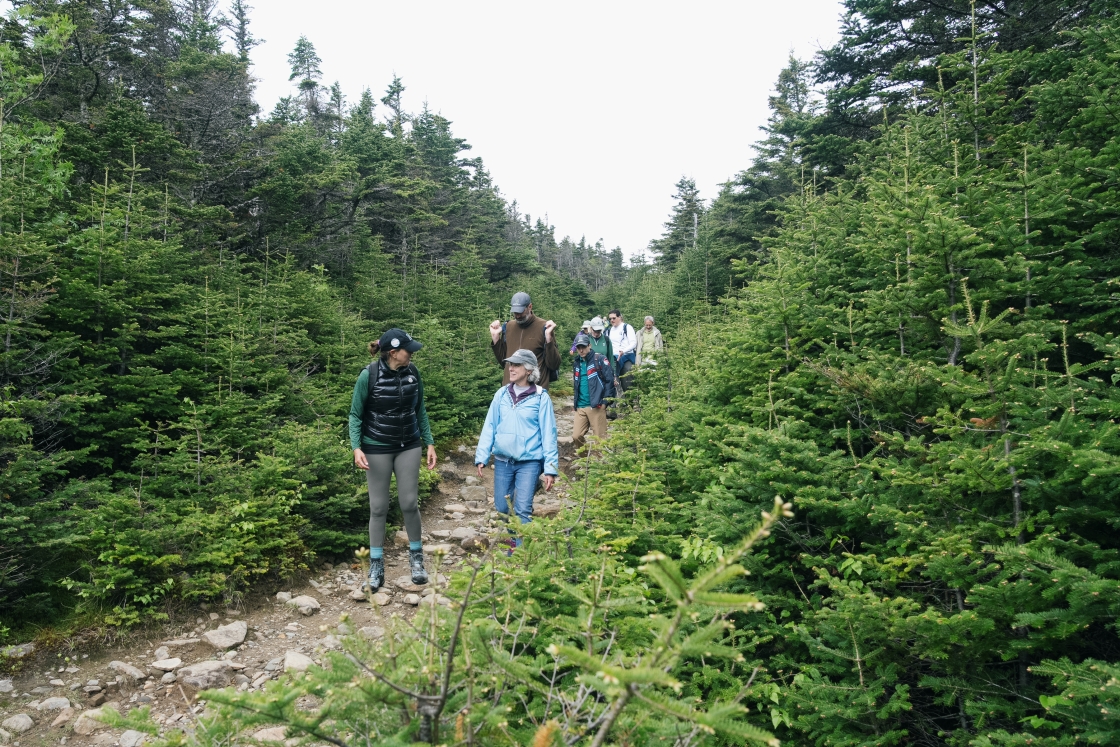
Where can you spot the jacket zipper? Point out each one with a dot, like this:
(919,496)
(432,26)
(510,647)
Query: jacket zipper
(400,396)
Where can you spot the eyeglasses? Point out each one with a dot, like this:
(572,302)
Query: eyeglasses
(612,318)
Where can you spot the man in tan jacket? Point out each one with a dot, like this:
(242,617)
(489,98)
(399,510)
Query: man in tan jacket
(528,332)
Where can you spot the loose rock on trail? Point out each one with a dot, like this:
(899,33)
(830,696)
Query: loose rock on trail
(54,699)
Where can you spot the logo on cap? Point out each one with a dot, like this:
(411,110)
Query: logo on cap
(395,343)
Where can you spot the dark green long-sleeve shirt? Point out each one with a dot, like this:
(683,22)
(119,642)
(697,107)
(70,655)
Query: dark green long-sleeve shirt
(358,408)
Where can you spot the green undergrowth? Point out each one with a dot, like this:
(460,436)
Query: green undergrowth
(569,639)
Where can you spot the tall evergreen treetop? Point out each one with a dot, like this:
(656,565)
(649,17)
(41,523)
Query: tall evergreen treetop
(681,228)
(304,61)
(243,39)
(393,100)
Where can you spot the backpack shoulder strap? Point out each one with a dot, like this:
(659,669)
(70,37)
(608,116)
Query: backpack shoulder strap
(374,370)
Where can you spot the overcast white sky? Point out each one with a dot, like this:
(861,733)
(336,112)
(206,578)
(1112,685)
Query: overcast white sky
(588,112)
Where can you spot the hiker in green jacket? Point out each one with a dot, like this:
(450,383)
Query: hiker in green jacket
(388,427)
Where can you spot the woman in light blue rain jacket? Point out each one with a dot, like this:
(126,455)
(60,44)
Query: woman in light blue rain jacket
(520,433)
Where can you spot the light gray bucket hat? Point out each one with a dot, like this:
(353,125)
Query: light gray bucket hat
(524,357)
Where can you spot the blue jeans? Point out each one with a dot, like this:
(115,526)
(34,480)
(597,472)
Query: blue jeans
(623,366)
(519,481)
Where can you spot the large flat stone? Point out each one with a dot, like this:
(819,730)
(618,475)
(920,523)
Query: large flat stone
(167,665)
(272,734)
(371,632)
(306,605)
(206,674)
(473,493)
(88,721)
(177,642)
(227,636)
(53,704)
(432,599)
(462,533)
(18,651)
(294,661)
(128,670)
(18,724)
(404,583)
(132,738)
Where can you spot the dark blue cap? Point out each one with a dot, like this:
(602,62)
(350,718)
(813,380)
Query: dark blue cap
(398,339)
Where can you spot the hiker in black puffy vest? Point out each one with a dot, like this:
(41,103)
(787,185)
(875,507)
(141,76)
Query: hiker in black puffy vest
(388,427)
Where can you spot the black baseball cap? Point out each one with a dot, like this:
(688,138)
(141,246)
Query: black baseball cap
(398,339)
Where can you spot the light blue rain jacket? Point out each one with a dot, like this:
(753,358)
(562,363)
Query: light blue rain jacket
(527,431)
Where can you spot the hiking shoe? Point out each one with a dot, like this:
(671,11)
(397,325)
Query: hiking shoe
(416,565)
(376,573)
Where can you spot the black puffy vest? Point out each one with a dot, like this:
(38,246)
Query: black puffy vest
(390,414)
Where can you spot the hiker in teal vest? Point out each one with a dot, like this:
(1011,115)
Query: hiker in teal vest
(601,342)
(388,428)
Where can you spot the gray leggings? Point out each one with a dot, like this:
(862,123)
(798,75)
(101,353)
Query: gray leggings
(406,466)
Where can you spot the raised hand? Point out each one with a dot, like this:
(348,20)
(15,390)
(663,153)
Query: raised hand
(495,330)
(548,327)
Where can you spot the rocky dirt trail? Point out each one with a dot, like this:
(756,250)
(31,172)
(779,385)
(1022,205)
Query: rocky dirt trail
(54,697)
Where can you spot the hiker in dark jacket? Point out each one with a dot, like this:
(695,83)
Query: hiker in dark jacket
(528,332)
(594,386)
(388,427)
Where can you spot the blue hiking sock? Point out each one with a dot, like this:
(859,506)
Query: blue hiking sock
(414,546)
(375,553)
